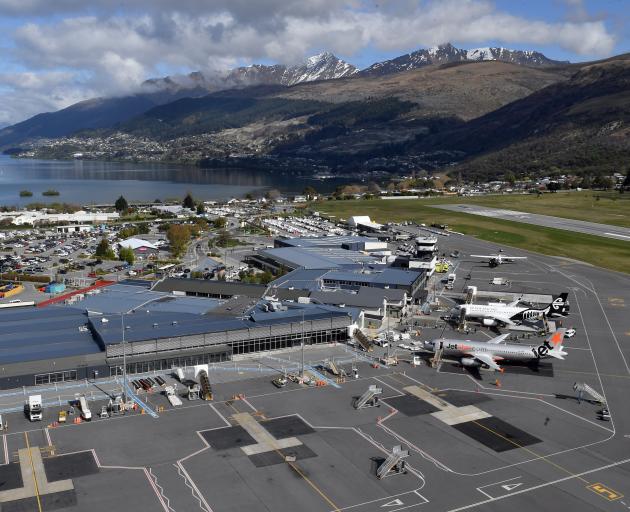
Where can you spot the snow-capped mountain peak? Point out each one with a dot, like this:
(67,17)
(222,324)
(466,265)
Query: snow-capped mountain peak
(447,53)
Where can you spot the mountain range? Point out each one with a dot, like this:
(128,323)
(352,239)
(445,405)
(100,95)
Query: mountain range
(108,112)
(479,112)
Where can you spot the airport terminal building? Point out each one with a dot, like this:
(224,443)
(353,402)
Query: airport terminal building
(153,331)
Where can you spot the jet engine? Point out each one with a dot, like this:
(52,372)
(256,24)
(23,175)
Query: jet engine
(470,362)
(489,322)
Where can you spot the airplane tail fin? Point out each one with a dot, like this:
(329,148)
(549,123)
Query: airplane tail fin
(559,305)
(555,340)
(558,353)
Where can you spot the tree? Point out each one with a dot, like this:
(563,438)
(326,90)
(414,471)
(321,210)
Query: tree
(121,204)
(272,194)
(223,239)
(586,181)
(198,227)
(220,222)
(510,178)
(103,250)
(178,236)
(373,188)
(602,182)
(189,202)
(553,186)
(626,183)
(126,254)
(201,209)
(309,192)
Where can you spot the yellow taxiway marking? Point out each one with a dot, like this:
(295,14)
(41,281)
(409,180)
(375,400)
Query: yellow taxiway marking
(542,457)
(605,492)
(30,456)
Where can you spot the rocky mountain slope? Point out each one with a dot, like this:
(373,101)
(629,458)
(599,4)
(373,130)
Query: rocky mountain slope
(107,112)
(446,54)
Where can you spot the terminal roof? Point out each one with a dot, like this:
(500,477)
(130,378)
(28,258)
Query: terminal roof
(35,334)
(317,257)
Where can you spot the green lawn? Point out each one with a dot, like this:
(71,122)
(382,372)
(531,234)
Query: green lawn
(611,207)
(599,251)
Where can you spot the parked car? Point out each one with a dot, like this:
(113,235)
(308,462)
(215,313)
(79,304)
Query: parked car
(570,333)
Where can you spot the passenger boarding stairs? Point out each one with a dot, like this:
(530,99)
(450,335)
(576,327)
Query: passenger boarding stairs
(369,398)
(332,367)
(582,387)
(206,389)
(437,358)
(363,340)
(394,464)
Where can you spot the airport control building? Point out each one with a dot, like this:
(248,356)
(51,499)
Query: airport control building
(153,331)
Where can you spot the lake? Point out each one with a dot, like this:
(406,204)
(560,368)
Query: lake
(91,182)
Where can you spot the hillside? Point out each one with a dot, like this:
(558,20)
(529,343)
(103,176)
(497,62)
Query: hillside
(579,124)
(87,115)
(106,113)
(481,119)
(465,90)
(447,54)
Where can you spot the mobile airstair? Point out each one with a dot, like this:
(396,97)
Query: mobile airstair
(369,398)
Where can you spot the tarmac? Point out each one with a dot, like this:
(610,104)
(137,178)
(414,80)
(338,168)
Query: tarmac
(519,440)
(579,226)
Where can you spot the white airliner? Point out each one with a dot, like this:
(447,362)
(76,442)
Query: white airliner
(487,353)
(494,260)
(511,314)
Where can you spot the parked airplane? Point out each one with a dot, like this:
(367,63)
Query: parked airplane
(494,260)
(487,353)
(497,313)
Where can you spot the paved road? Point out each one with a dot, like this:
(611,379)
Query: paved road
(590,228)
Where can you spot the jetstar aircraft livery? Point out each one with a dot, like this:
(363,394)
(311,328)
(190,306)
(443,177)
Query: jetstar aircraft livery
(487,353)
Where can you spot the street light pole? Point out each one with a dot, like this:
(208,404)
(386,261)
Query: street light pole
(388,337)
(122,326)
(302,344)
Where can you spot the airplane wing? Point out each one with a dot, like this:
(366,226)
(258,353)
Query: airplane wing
(487,256)
(503,319)
(498,339)
(512,258)
(487,360)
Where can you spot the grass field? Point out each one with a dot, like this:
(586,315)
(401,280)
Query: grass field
(611,207)
(599,251)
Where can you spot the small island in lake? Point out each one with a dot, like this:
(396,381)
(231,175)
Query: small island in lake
(50,192)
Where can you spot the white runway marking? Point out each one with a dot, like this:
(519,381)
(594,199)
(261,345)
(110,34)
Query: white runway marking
(541,486)
(617,235)
(403,501)
(503,484)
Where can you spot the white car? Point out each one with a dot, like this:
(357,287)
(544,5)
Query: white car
(404,346)
(570,333)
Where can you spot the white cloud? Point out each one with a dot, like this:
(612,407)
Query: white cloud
(105,50)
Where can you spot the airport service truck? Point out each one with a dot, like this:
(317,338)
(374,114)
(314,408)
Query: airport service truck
(33,408)
(86,414)
(172,396)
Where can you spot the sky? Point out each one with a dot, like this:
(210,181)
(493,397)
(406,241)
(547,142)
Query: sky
(54,53)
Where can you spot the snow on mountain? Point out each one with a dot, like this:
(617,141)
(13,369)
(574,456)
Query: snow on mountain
(447,53)
(324,66)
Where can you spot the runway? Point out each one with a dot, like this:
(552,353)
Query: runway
(589,228)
